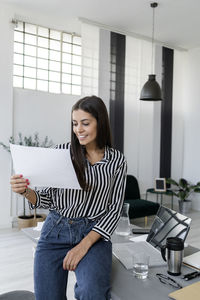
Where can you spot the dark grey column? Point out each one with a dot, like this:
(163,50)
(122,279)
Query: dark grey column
(166,113)
(117,73)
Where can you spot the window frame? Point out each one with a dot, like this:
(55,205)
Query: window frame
(61,65)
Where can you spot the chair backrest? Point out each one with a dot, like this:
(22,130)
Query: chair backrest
(18,295)
(132,190)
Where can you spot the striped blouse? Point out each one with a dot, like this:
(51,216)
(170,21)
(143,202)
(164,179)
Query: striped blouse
(102,202)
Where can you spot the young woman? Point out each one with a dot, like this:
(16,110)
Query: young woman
(76,234)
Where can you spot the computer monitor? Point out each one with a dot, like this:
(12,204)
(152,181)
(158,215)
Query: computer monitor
(167,223)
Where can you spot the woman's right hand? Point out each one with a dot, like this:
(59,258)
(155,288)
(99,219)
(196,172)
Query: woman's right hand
(18,183)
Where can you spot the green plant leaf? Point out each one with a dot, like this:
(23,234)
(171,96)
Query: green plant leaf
(182,195)
(171,181)
(183,183)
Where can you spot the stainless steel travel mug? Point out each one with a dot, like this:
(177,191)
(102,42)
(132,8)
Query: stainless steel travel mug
(172,252)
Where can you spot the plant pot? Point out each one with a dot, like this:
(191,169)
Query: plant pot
(26,221)
(40,217)
(185,206)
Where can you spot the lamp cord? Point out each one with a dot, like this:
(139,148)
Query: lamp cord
(152,41)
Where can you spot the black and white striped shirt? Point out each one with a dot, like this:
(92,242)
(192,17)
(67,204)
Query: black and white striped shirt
(102,202)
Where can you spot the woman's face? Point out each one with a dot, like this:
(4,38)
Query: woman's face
(84,127)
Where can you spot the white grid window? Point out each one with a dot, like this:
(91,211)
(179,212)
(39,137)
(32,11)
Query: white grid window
(46,59)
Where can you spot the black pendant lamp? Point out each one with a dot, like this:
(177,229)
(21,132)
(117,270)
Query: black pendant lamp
(151,90)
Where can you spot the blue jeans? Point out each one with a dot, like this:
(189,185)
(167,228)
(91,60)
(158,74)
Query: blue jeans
(58,236)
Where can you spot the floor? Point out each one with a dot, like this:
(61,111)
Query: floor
(16,256)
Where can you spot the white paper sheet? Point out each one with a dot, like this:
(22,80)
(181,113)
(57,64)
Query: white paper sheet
(139,238)
(193,260)
(45,167)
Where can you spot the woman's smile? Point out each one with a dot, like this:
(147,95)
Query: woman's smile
(84,127)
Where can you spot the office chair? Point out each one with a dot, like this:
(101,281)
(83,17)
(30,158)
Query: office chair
(138,207)
(17,295)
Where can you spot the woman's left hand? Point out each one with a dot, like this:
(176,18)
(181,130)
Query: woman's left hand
(74,256)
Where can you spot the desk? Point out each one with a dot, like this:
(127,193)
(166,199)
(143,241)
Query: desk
(167,193)
(125,286)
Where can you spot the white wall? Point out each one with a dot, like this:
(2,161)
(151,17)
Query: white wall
(48,114)
(27,111)
(191,162)
(142,118)
(179,103)
(5,111)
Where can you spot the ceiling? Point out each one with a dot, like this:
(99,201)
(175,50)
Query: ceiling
(177,22)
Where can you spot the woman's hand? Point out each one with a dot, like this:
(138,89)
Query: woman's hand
(18,183)
(74,256)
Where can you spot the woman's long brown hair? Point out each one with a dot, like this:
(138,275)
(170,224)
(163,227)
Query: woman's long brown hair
(96,107)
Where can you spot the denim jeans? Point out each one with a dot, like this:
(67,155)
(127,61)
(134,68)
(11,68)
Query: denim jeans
(58,236)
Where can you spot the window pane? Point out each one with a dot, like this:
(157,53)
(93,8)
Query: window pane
(30,61)
(66,78)
(67,47)
(113,76)
(17,81)
(55,34)
(42,63)
(18,70)
(54,76)
(67,58)
(38,54)
(113,67)
(43,31)
(67,37)
(76,90)
(42,74)
(55,45)
(18,36)
(76,79)
(76,50)
(54,65)
(76,70)
(18,48)
(77,40)
(67,68)
(30,50)
(66,88)
(30,39)
(54,87)
(18,59)
(42,85)
(29,72)
(29,83)
(30,28)
(43,53)
(54,55)
(19,26)
(76,60)
(43,42)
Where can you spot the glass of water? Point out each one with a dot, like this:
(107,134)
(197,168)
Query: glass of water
(141,265)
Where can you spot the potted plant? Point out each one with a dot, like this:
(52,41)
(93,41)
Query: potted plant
(183,189)
(28,220)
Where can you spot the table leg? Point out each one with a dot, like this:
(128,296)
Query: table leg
(172,202)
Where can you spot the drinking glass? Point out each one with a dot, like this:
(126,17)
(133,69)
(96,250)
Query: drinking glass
(141,265)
